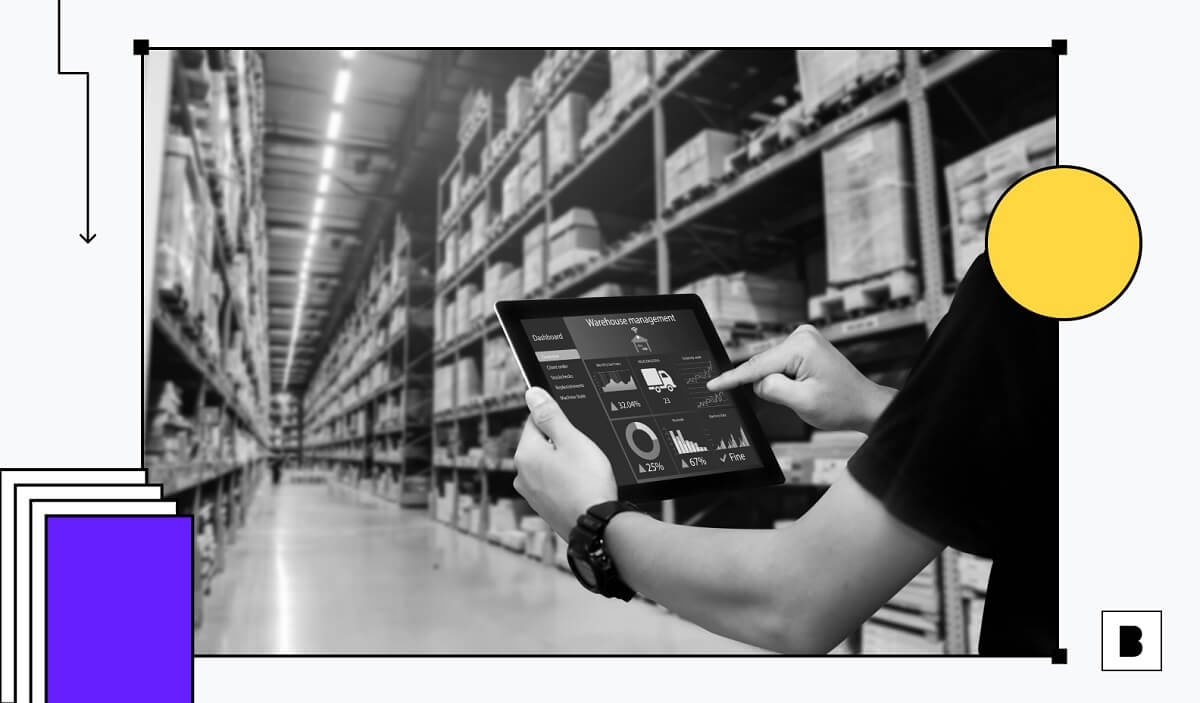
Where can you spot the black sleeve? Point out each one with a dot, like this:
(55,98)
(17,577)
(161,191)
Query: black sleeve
(967,451)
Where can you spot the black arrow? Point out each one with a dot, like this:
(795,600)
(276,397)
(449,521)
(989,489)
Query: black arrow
(87,133)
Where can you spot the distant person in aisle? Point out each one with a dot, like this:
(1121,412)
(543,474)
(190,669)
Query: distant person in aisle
(964,455)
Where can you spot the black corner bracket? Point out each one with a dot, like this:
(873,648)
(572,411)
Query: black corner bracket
(141,47)
(1060,47)
(1060,654)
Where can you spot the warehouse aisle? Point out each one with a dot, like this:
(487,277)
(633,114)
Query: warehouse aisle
(321,569)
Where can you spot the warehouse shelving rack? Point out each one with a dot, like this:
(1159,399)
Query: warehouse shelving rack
(217,492)
(334,436)
(739,219)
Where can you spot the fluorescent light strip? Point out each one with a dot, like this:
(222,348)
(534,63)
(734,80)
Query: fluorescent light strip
(319,206)
(314,225)
(341,86)
(323,184)
(348,54)
(335,125)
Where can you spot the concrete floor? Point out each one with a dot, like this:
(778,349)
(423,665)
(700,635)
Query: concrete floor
(322,570)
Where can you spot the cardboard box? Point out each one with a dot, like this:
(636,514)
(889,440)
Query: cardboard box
(699,161)
(868,215)
(598,118)
(531,151)
(566,124)
(531,185)
(826,74)
(575,237)
(510,194)
(184,215)
(630,75)
(466,374)
(518,103)
(751,297)
(535,256)
(480,218)
(463,305)
(975,184)
(608,290)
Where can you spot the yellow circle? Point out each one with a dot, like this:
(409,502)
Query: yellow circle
(1064,242)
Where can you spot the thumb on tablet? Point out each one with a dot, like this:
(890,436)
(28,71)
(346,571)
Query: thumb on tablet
(546,414)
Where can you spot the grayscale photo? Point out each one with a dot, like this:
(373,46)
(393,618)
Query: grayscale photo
(602,351)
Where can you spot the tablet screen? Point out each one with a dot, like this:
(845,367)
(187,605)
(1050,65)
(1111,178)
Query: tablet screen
(635,383)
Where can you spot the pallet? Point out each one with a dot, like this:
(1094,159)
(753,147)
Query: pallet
(631,105)
(684,199)
(571,271)
(738,332)
(854,94)
(893,290)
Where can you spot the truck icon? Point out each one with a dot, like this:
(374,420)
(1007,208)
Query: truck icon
(658,380)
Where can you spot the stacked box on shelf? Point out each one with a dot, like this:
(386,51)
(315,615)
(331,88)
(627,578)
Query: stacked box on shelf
(819,461)
(501,374)
(598,117)
(827,75)
(530,166)
(921,594)
(534,245)
(518,103)
(575,238)
(184,220)
(466,375)
(750,297)
(974,184)
(510,193)
(630,75)
(565,127)
(539,538)
(443,388)
(543,74)
(480,218)
(974,618)
(973,572)
(878,638)
(868,213)
(700,161)
(608,290)
(465,306)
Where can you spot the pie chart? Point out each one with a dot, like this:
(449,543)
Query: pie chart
(637,436)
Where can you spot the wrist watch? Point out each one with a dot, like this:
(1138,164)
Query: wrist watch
(588,555)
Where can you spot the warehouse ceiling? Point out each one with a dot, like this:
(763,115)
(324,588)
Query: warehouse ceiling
(397,132)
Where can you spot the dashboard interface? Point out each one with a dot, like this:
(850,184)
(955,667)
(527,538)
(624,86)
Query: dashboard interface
(635,384)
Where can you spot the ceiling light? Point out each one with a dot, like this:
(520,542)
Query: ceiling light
(348,54)
(335,125)
(314,225)
(323,184)
(341,86)
(327,157)
(319,206)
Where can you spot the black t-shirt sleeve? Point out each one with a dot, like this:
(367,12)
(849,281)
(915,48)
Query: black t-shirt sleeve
(960,453)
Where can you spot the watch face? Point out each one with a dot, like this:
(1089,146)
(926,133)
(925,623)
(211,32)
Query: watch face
(583,570)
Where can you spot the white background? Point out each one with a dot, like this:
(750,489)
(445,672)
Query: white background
(70,313)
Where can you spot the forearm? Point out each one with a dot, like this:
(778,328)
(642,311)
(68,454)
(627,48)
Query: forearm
(876,401)
(726,581)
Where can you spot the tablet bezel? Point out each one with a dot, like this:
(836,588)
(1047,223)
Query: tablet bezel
(512,312)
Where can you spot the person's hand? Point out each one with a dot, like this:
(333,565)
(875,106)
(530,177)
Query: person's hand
(807,374)
(565,476)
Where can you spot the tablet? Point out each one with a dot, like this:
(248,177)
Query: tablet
(630,372)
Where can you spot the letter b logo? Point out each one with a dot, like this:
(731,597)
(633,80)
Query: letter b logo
(1131,640)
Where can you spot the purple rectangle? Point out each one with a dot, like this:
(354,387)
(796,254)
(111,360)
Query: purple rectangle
(119,609)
